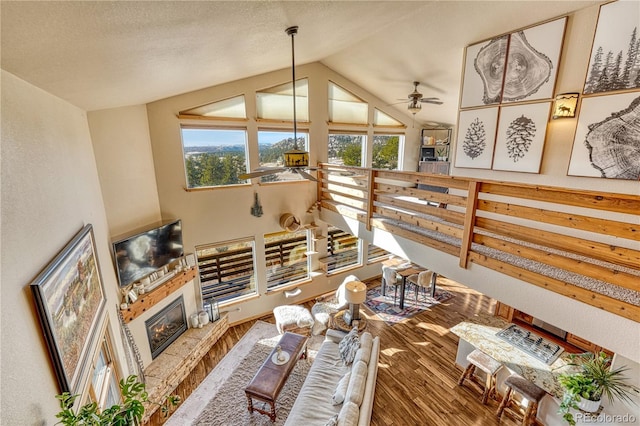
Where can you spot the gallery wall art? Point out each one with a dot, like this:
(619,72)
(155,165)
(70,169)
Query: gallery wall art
(607,139)
(476,138)
(70,301)
(532,62)
(615,56)
(520,137)
(484,72)
(520,66)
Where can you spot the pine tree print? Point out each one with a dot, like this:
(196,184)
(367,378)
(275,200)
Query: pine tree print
(632,53)
(608,72)
(475,140)
(594,74)
(520,134)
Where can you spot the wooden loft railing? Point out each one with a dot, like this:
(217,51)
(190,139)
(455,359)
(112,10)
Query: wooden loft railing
(581,244)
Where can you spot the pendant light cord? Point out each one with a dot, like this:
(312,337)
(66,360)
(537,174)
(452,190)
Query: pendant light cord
(292,31)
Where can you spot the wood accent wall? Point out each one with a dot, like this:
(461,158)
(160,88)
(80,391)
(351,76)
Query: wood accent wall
(553,226)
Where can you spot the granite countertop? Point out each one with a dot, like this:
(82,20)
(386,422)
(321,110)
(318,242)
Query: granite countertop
(480,331)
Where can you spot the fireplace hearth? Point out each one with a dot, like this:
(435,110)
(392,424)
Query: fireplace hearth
(166,326)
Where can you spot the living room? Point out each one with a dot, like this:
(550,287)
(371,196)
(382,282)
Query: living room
(119,166)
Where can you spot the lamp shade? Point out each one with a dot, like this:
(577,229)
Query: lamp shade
(356,292)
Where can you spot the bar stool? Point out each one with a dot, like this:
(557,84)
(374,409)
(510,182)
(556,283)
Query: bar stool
(482,361)
(529,391)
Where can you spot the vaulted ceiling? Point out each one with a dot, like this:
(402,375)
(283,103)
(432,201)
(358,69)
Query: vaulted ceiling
(101,54)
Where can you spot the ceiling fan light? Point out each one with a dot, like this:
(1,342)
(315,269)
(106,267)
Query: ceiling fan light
(296,158)
(414,107)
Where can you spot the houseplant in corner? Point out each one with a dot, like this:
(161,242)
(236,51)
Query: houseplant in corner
(129,412)
(584,389)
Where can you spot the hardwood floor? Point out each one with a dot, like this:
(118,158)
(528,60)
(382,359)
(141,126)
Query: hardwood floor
(417,377)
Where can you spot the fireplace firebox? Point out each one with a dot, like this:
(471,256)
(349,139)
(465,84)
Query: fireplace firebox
(166,326)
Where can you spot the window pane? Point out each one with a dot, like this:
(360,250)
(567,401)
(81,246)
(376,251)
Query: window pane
(382,119)
(375,253)
(343,249)
(385,152)
(346,149)
(226,269)
(100,371)
(214,157)
(113,392)
(286,258)
(273,145)
(276,103)
(345,107)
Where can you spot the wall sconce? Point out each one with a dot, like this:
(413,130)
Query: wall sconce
(565,105)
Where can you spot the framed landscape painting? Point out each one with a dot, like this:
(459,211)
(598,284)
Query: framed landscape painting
(615,59)
(607,139)
(70,301)
(521,134)
(476,138)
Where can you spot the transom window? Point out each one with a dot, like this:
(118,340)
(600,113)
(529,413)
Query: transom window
(227,269)
(345,107)
(214,156)
(286,257)
(276,103)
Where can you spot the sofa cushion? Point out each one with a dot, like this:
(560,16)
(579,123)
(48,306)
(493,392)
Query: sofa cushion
(362,355)
(341,389)
(348,346)
(349,414)
(355,391)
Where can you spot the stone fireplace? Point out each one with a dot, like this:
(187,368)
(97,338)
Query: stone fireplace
(166,326)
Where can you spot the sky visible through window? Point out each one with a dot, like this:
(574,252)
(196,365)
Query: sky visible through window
(203,137)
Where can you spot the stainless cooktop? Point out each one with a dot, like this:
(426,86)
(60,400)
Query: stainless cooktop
(529,342)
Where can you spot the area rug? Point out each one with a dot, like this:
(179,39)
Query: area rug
(220,398)
(391,314)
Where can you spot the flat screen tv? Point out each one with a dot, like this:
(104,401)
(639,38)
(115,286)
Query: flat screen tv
(144,252)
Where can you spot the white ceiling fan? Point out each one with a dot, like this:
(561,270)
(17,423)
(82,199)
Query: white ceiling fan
(295,160)
(416,100)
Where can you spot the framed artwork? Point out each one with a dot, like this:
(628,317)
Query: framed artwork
(607,139)
(615,60)
(484,72)
(532,62)
(476,138)
(70,301)
(520,137)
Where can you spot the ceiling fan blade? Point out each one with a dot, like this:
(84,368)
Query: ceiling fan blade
(261,173)
(305,175)
(434,101)
(396,103)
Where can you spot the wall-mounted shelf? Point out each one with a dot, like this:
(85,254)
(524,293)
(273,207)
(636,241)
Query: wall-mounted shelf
(148,300)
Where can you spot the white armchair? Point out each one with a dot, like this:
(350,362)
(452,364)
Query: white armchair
(423,280)
(325,307)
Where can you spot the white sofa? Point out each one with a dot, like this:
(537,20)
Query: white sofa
(314,405)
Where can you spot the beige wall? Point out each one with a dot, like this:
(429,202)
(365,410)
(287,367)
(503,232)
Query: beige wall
(125,167)
(50,190)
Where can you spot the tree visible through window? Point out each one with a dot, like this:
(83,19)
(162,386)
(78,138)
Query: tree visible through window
(346,150)
(385,152)
(214,157)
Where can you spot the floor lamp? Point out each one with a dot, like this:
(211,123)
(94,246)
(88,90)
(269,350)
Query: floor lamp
(356,293)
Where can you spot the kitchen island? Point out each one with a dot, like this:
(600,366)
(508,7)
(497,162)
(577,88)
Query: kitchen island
(480,332)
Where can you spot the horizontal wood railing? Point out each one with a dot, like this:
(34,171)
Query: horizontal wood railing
(581,244)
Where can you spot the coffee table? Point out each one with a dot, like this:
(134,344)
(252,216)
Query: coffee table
(270,378)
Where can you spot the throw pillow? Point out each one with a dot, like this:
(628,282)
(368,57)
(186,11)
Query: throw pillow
(362,355)
(349,346)
(341,389)
(357,383)
(349,414)
(333,421)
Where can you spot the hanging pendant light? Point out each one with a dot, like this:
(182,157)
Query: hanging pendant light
(294,157)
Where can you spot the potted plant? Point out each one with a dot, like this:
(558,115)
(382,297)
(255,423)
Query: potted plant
(441,153)
(128,413)
(584,389)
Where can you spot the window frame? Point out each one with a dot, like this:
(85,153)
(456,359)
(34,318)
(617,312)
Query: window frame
(271,286)
(331,266)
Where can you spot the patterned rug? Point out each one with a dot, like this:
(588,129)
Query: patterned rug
(391,314)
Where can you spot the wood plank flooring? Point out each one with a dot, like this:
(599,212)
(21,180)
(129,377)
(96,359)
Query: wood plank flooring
(417,375)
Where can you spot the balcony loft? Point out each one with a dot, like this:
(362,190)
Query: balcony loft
(579,244)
